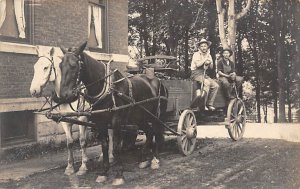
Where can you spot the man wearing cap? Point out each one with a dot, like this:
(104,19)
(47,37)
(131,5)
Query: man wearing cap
(202,61)
(227,75)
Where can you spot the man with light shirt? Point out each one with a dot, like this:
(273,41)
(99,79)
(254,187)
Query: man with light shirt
(202,61)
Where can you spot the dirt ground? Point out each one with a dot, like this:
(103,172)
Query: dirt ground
(216,163)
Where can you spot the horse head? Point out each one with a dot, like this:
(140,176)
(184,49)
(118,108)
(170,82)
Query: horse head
(70,73)
(46,70)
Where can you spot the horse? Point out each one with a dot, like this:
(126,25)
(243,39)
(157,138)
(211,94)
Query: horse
(108,89)
(46,70)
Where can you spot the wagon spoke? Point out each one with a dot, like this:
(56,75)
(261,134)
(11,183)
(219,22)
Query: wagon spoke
(185,144)
(186,123)
(191,121)
(194,126)
(241,110)
(234,109)
(240,127)
(190,142)
(184,138)
(231,121)
(237,129)
(232,115)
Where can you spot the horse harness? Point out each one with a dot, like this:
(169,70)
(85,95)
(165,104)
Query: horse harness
(108,88)
(51,67)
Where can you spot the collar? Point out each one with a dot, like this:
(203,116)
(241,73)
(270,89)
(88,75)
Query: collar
(202,53)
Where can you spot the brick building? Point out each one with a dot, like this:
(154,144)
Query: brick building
(27,23)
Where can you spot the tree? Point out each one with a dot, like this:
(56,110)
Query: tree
(229,41)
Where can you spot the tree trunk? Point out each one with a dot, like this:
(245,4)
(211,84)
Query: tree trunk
(289,104)
(254,48)
(266,113)
(144,32)
(239,64)
(232,18)
(186,52)
(231,29)
(274,92)
(257,78)
(280,67)
(212,34)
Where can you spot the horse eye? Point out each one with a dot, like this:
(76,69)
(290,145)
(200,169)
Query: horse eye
(46,68)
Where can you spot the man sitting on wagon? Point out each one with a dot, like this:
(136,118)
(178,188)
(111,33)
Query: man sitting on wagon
(202,61)
(227,75)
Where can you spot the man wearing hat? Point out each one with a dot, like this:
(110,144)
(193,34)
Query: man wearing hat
(226,71)
(202,61)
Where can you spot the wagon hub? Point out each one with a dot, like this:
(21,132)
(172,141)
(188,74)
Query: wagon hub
(191,132)
(239,119)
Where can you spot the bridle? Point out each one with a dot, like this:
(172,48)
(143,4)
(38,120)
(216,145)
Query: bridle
(51,68)
(106,90)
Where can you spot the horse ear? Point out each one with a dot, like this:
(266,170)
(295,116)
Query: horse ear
(81,48)
(52,51)
(63,50)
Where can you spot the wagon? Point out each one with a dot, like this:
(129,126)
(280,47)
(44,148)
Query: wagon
(185,109)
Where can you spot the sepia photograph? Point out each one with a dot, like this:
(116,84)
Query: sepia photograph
(149,94)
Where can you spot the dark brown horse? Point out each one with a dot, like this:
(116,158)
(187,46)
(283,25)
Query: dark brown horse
(108,89)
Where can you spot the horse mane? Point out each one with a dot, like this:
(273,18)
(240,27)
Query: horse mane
(90,65)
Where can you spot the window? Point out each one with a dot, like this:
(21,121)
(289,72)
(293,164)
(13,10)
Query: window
(14,20)
(16,127)
(96,25)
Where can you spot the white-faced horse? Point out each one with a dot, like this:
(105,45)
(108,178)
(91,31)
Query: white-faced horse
(46,70)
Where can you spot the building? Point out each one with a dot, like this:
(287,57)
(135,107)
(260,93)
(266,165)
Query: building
(27,23)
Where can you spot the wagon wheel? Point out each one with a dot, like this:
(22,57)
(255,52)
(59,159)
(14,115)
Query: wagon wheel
(236,118)
(187,128)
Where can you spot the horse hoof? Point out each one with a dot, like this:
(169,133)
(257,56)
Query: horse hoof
(155,164)
(69,171)
(118,182)
(144,164)
(81,171)
(101,179)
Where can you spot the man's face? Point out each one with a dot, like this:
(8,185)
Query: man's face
(203,47)
(226,54)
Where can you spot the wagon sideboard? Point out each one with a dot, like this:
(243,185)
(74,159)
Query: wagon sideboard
(181,94)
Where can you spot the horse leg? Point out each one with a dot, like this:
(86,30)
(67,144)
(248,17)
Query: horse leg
(144,162)
(110,147)
(159,141)
(68,130)
(117,147)
(103,136)
(82,133)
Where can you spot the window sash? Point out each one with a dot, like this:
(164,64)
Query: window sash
(23,22)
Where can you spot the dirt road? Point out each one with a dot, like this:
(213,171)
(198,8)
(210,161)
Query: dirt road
(216,163)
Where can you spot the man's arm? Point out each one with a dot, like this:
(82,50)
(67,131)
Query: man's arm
(196,62)
(193,63)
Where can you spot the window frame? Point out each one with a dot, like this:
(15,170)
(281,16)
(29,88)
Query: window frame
(104,48)
(29,15)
